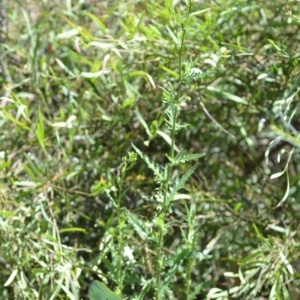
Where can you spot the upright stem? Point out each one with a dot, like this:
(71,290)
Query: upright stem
(191,245)
(120,235)
(175,113)
(175,107)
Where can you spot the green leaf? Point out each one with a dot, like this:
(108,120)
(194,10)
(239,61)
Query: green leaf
(40,131)
(157,170)
(73,229)
(183,157)
(137,224)
(99,291)
(143,122)
(180,183)
(142,73)
(227,95)
(174,38)
(287,192)
(15,121)
(98,21)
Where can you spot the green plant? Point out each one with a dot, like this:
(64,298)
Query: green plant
(82,82)
(99,291)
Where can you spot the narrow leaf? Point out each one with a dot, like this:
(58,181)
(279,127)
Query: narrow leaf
(138,73)
(13,120)
(276,175)
(94,74)
(286,262)
(98,21)
(64,67)
(143,122)
(167,139)
(11,277)
(286,192)
(227,95)
(174,38)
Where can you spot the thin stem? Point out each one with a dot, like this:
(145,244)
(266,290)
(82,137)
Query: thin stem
(120,236)
(191,238)
(189,271)
(175,113)
(159,264)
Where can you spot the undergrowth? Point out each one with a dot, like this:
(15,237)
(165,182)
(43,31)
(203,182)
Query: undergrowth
(152,146)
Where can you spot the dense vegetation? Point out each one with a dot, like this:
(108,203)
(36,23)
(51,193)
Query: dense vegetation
(150,145)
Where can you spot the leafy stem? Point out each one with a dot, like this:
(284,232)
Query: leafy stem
(128,163)
(173,102)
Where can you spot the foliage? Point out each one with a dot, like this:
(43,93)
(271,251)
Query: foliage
(151,145)
(98,291)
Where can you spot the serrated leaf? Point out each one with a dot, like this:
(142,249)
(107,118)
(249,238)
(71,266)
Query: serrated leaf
(196,73)
(158,172)
(179,184)
(182,157)
(146,288)
(99,291)
(197,291)
(137,225)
